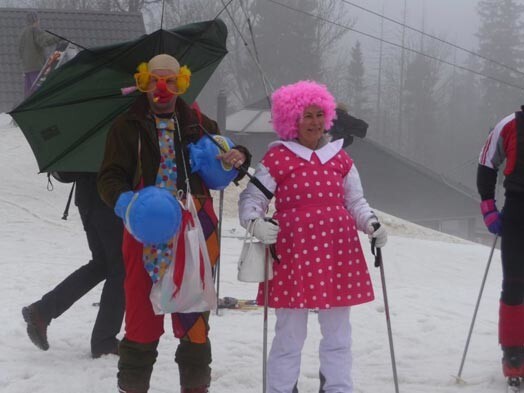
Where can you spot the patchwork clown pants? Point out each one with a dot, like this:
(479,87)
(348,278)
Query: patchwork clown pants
(143,329)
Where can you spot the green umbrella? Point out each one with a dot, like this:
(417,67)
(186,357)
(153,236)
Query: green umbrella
(66,120)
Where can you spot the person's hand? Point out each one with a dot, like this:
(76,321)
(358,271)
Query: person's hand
(122,203)
(377,233)
(233,157)
(265,231)
(492,217)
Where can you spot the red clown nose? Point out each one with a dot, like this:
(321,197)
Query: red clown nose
(161,85)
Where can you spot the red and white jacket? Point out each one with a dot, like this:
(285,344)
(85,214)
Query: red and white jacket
(505,143)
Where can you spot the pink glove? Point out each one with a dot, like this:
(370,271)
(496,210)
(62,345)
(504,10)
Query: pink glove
(492,217)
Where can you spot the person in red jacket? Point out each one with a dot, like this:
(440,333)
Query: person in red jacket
(505,143)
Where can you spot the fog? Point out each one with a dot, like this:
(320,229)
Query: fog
(429,102)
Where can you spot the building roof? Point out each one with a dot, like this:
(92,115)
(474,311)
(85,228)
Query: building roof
(86,28)
(254,118)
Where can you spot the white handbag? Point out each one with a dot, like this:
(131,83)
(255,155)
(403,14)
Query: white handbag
(253,258)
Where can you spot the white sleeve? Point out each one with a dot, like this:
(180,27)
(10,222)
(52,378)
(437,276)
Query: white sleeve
(354,199)
(252,202)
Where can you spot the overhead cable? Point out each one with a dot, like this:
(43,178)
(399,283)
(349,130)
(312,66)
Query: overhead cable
(434,37)
(265,80)
(397,45)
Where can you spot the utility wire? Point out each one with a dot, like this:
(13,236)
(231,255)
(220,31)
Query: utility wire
(162,16)
(223,8)
(267,88)
(398,45)
(433,37)
(265,80)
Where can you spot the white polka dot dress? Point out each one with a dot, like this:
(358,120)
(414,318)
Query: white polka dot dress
(321,260)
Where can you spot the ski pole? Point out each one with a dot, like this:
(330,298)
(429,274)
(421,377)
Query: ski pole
(458,377)
(264,341)
(378,263)
(217,267)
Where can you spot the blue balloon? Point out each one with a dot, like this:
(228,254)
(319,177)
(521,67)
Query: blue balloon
(153,215)
(215,174)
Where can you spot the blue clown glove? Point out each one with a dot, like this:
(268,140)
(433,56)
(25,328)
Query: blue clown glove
(122,203)
(492,217)
(153,215)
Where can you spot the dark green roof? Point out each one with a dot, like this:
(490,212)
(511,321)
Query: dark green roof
(86,28)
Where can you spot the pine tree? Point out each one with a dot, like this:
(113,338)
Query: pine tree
(286,41)
(355,83)
(419,111)
(461,127)
(500,38)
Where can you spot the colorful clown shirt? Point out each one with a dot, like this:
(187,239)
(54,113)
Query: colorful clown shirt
(158,257)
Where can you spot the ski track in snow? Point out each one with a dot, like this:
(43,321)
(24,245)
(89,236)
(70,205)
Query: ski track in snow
(432,280)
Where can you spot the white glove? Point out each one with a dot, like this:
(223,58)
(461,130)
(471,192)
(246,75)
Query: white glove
(265,231)
(380,233)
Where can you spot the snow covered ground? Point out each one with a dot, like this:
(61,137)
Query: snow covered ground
(432,280)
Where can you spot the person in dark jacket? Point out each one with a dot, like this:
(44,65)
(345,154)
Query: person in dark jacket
(104,236)
(505,143)
(143,149)
(31,49)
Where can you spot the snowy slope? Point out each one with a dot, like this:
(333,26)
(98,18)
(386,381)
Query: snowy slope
(432,280)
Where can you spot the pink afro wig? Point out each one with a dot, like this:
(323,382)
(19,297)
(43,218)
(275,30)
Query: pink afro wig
(289,102)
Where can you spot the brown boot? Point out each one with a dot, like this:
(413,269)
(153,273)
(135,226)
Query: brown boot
(36,326)
(135,365)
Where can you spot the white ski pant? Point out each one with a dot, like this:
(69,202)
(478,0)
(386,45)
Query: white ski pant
(283,366)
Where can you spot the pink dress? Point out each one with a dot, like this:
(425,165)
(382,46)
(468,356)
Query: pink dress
(321,260)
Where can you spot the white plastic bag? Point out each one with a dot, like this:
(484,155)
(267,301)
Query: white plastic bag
(253,259)
(196,293)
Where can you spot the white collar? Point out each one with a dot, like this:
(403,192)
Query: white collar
(324,154)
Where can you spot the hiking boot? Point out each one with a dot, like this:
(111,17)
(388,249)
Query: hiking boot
(199,389)
(110,349)
(513,362)
(36,326)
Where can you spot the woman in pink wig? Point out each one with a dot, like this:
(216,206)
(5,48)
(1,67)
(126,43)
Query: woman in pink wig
(319,206)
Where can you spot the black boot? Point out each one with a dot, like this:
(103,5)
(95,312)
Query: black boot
(322,382)
(135,365)
(193,365)
(120,390)
(36,326)
(513,361)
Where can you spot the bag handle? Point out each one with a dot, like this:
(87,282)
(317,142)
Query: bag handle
(249,231)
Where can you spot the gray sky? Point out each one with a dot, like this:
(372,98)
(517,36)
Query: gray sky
(452,20)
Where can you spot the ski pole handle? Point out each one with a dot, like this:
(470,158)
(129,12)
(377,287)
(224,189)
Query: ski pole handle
(377,252)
